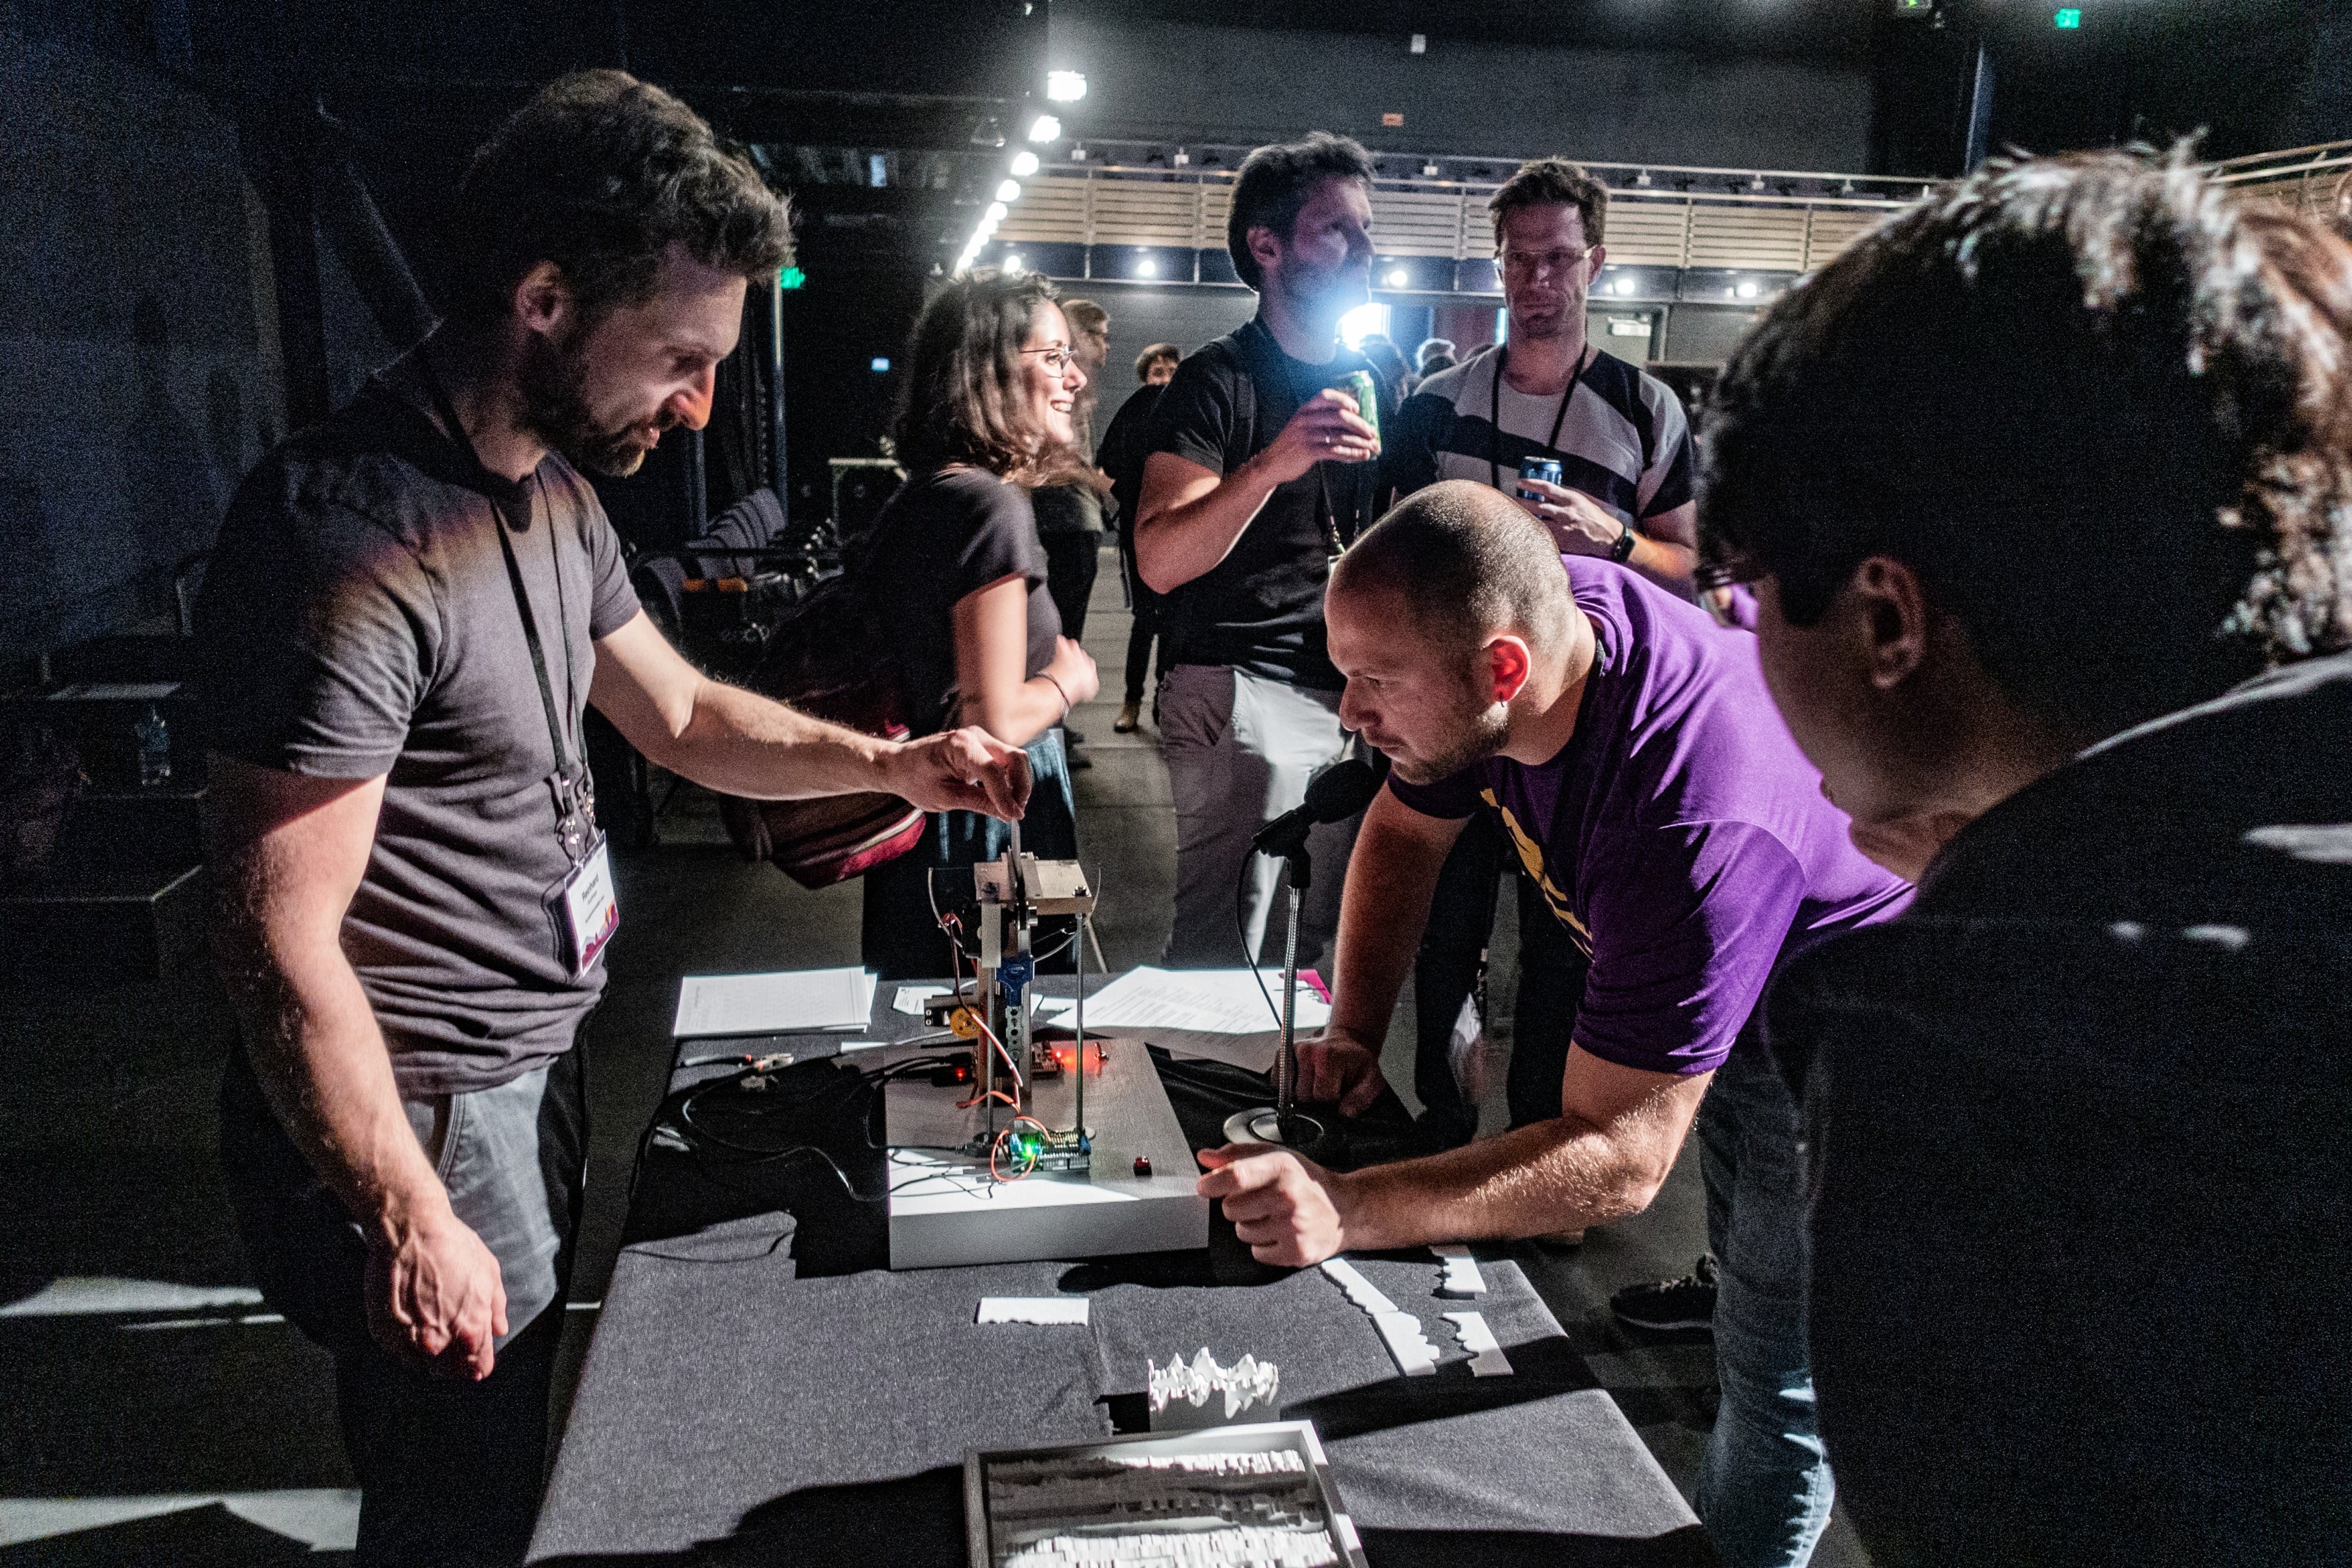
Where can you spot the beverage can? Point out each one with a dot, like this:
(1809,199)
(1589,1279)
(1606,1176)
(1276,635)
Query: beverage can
(1544,468)
(1358,384)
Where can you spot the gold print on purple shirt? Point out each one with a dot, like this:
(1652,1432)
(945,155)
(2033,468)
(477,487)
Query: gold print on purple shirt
(1531,857)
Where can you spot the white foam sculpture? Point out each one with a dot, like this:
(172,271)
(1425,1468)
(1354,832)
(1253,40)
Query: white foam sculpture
(1248,1382)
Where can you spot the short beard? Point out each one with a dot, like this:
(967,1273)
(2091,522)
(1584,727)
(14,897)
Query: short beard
(550,379)
(1480,738)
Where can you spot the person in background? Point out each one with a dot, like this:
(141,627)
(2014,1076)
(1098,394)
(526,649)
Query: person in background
(1625,746)
(1070,497)
(1425,358)
(1121,457)
(1261,471)
(1389,368)
(2079,1160)
(409,609)
(953,568)
(1624,452)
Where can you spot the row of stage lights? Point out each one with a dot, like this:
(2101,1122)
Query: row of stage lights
(1061,87)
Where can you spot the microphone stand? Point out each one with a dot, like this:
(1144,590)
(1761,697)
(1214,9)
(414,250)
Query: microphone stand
(1282,1122)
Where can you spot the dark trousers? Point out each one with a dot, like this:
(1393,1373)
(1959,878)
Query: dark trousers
(449,1471)
(1146,605)
(1072,561)
(1451,966)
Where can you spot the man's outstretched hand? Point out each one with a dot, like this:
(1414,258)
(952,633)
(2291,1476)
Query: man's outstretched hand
(1290,1210)
(965,770)
(1342,1069)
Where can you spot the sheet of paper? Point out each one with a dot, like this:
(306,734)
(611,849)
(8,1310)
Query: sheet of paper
(910,999)
(1032,1309)
(718,1006)
(1486,1357)
(1204,1001)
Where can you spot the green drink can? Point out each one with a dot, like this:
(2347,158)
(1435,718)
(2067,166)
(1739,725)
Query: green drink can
(1358,384)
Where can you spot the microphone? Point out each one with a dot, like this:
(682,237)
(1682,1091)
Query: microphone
(1335,793)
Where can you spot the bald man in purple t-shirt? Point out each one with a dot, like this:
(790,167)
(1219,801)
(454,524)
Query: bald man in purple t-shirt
(1640,771)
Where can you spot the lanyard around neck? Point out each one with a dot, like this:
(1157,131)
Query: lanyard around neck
(1495,409)
(457,430)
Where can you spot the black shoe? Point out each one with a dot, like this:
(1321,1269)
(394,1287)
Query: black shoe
(1075,737)
(1079,760)
(1670,1304)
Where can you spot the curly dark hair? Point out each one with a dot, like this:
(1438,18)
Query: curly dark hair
(1274,182)
(1553,182)
(2100,404)
(963,400)
(600,174)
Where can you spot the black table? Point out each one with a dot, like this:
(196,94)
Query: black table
(760,1390)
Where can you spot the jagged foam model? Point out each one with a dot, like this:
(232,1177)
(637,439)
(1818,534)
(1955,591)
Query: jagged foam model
(1248,1382)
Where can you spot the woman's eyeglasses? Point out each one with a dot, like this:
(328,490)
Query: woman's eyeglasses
(1057,361)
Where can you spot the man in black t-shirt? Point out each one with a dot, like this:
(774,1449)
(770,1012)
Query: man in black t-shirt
(1259,473)
(409,609)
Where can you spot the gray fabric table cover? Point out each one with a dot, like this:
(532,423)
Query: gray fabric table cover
(732,1412)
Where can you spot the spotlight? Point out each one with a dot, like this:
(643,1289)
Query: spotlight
(1399,278)
(1642,178)
(879,366)
(1045,128)
(1012,264)
(1181,158)
(1146,268)
(1010,190)
(1024,163)
(1846,188)
(1757,183)
(1429,170)
(995,213)
(1625,285)
(1747,291)
(1065,87)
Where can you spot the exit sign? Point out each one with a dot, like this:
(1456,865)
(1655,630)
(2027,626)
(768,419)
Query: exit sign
(2068,19)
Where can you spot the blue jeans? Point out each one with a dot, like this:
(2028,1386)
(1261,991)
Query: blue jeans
(1764,1486)
(449,1471)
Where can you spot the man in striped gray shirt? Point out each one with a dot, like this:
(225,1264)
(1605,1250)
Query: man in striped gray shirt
(1619,436)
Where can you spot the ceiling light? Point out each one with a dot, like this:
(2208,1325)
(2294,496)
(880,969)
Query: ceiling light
(1747,291)
(1012,264)
(1429,170)
(1399,278)
(1044,128)
(995,213)
(1024,163)
(1757,183)
(1846,188)
(1146,268)
(1181,158)
(1625,285)
(1642,178)
(1065,87)
(1010,190)
(879,366)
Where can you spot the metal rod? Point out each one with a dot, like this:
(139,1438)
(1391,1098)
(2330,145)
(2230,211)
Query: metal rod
(1286,1078)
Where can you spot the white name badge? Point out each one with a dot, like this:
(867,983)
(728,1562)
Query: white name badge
(591,912)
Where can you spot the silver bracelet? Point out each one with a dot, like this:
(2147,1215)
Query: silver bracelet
(1047,675)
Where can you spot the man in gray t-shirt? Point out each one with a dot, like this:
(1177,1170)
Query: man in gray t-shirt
(408,609)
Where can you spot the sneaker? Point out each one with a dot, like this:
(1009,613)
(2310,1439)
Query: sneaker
(1668,1305)
(1130,716)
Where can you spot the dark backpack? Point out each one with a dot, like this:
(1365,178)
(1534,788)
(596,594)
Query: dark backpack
(827,659)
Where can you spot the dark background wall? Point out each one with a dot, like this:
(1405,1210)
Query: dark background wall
(139,373)
(1508,99)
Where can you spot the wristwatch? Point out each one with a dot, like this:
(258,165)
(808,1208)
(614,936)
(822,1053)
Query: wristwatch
(1622,550)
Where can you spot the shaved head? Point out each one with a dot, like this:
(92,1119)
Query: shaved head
(1466,562)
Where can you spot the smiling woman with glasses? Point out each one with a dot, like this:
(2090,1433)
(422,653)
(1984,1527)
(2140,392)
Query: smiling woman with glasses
(955,578)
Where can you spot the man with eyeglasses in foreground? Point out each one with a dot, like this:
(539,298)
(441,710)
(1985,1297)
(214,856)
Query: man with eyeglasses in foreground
(1627,747)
